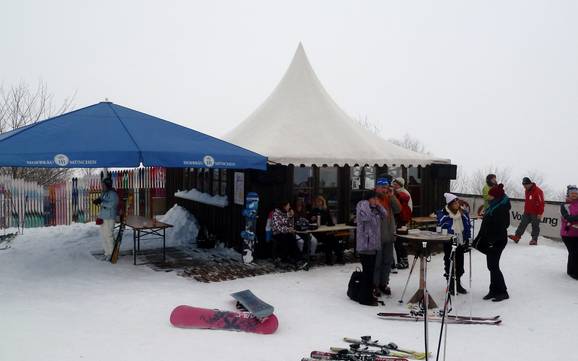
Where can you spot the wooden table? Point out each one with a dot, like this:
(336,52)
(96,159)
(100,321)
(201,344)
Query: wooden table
(330,229)
(143,226)
(425,238)
(337,230)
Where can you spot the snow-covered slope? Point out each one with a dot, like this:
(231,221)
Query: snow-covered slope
(57,302)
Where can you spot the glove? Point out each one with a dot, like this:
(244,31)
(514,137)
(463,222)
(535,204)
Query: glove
(467,247)
(97,201)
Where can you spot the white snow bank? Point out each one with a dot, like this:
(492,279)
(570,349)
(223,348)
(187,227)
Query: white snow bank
(195,195)
(185,226)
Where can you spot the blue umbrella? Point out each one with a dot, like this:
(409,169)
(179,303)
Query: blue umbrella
(109,135)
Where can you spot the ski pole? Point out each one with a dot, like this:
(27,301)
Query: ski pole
(471,295)
(446,302)
(426,297)
(470,261)
(408,277)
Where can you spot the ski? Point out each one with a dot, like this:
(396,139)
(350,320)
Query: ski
(357,349)
(440,314)
(367,341)
(350,356)
(410,317)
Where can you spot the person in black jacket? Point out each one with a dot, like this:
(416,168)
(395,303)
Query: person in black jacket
(492,240)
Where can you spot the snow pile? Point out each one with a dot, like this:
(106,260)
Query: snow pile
(195,195)
(185,226)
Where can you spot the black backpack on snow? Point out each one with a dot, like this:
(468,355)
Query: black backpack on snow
(354,287)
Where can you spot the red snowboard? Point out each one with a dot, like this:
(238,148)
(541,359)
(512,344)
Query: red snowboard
(194,317)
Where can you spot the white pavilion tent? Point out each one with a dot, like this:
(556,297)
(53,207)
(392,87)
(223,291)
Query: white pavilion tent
(300,124)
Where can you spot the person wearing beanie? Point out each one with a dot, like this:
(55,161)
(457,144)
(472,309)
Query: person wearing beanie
(108,202)
(533,212)
(456,221)
(490,182)
(384,260)
(403,218)
(569,229)
(492,239)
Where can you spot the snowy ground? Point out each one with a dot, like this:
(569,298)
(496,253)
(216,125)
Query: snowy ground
(57,302)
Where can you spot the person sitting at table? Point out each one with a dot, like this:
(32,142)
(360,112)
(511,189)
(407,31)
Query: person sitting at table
(320,215)
(456,221)
(301,217)
(282,226)
(369,214)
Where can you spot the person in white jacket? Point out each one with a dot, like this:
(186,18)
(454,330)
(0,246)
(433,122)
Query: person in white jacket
(108,202)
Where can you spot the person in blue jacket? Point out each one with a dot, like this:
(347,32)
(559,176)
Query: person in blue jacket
(456,221)
(108,202)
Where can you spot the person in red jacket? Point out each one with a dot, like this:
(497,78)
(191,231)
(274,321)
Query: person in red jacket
(403,218)
(533,212)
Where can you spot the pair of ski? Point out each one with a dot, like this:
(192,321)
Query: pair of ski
(340,356)
(257,316)
(453,319)
(360,350)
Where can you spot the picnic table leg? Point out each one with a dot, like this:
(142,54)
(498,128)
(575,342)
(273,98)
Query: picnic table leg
(421,293)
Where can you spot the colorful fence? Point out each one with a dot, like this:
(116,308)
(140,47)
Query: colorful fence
(26,204)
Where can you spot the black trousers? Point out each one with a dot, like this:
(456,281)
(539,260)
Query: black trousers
(331,245)
(366,286)
(400,247)
(572,245)
(400,250)
(285,247)
(497,283)
(459,266)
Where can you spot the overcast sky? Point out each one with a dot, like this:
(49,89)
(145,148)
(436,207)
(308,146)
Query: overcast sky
(479,82)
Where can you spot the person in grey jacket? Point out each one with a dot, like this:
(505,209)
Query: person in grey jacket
(108,202)
(369,216)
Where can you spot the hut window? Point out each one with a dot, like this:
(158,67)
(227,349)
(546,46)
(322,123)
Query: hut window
(414,187)
(328,187)
(303,183)
(355,178)
(396,172)
(362,178)
(368,177)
